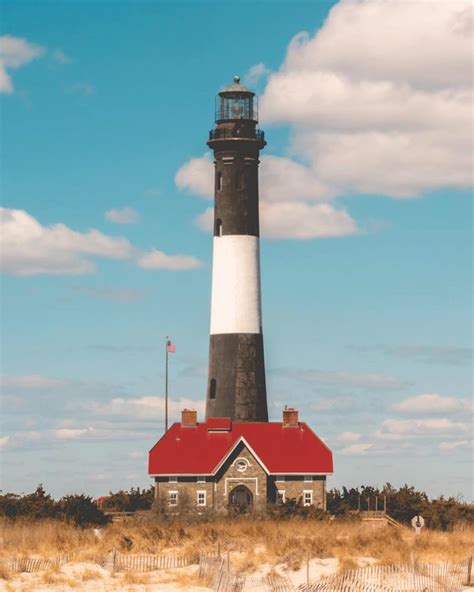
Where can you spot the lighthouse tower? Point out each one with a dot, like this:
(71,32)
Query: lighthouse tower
(236,382)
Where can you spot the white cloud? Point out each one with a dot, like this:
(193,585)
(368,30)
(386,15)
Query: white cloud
(286,187)
(356,449)
(124,215)
(415,427)
(28,248)
(372,107)
(4,440)
(72,433)
(256,73)
(335,405)
(136,454)
(29,381)
(148,407)
(197,176)
(433,403)
(370,381)
(83,88)
(60,57)
(300,220)
(155,259)
(14,53)
(347,437)
(455,445)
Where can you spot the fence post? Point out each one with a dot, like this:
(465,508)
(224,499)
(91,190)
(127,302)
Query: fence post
(307,568)
(469,570)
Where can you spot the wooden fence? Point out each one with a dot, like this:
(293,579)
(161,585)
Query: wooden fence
(221,577)
(30,564)
(443,577)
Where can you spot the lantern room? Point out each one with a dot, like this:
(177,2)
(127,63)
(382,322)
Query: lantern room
(236,102)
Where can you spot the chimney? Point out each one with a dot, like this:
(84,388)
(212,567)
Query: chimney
(188,418)
(290,417)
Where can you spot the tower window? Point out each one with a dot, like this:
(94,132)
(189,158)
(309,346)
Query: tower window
(219,181)
(218,227)
(212,389)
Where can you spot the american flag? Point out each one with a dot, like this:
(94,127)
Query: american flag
(171,347)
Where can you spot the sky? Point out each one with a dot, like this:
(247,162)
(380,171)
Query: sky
(366,219)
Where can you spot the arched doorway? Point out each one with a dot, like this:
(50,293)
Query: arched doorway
(241,498)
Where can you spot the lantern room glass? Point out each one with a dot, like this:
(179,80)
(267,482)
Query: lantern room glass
(236,106)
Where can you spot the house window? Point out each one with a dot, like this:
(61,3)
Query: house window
(173,498)
(219,181)
(201,479)
(280,478)
(281,496)
(212,389)
(201,498)
(308,478)
(307,498)
(218,231)
(173,479)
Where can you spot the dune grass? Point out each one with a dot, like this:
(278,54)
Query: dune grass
(250,542)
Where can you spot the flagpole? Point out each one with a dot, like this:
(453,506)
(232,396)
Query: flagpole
(166,384)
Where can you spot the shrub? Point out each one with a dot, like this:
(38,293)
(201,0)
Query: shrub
(402,504)
(129,501)
(78,509)
(82,510)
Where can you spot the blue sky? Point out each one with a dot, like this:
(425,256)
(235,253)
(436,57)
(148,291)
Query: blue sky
(366,219)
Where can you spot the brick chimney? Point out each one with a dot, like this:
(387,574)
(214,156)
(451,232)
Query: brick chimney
(188,418)
(290,417)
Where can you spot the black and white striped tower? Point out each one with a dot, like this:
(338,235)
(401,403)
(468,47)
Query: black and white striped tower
(236,382)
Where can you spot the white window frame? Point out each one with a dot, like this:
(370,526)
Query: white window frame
(280,479)
(310,493)
(308,478)
(173,493)
(202,492)
(173,479)
(282,493)
(201,479)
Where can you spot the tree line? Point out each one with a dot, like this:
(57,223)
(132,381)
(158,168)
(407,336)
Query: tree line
(402,503)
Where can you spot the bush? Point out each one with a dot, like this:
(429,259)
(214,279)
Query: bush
(82,510)
(402,504)
(129,501)
(79,509)
(294,508)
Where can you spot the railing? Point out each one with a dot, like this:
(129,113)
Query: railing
(235,133)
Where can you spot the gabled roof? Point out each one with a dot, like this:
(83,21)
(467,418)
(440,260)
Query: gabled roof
(200,450)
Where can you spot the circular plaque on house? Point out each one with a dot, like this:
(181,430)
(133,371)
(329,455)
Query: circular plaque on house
(241,464)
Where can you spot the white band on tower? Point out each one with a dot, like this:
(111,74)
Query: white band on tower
(236,301)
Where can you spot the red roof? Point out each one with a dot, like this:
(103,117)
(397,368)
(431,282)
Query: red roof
(201,450)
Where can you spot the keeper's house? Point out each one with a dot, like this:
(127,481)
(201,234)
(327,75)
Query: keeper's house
(222,464)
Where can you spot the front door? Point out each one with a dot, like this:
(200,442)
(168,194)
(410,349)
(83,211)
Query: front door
(241,498)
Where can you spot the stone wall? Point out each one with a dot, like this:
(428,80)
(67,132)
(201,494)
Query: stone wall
(294,486)
(187,495)
(254,478)
(229,477)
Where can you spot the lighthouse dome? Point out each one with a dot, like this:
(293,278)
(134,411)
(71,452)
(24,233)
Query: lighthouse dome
(236,102)
(236,87)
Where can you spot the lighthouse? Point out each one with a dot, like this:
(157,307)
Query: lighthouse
(236,380)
